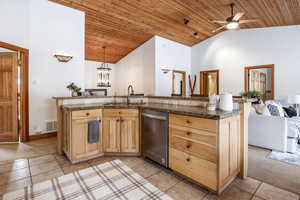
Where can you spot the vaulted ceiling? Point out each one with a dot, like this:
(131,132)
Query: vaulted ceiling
(123,25)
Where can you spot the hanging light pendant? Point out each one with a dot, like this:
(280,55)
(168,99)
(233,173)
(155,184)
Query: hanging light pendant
(103,72)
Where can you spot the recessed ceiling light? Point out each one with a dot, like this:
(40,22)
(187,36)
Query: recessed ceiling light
(196,35)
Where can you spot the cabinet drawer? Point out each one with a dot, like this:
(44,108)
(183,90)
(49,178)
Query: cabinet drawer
(120,112)
(200,150)
(202,171)
(86,113)
(194,122)
(203,136)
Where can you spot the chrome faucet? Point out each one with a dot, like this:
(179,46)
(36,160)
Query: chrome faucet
(129,93)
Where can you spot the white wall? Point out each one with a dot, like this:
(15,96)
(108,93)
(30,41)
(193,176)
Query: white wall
(90,72)
(14,22)
(137,69)
(231,51)
(142,67)
(45,28)
(170,55)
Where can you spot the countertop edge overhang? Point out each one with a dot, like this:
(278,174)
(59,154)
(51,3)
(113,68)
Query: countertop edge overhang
(194,111)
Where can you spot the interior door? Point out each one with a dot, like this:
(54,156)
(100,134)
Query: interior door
(8,97)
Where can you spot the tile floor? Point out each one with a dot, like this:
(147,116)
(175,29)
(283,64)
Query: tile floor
(18,173)
(37,161)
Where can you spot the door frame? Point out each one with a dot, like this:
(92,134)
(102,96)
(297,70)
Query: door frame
(201,86)
(183,82)
(246,76)
(24,89)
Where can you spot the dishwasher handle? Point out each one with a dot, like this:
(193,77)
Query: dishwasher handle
(154,116)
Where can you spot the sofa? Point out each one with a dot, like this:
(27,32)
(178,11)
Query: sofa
(274,132)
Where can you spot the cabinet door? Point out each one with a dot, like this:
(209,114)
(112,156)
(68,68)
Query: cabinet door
(130,135)
(81,149)
(111,134)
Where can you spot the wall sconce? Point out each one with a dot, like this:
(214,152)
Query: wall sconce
(63,58)
(165,71)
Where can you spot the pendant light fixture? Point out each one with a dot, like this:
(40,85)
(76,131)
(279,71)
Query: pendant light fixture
(103,72)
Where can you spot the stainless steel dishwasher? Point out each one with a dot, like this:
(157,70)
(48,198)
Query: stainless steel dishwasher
(155,136)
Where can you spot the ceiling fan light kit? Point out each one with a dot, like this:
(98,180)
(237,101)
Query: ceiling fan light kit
(232,25)
(233,22)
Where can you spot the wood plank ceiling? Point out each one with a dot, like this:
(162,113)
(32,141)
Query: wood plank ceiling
(123,25)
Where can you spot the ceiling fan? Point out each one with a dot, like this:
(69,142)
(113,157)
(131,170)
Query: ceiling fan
(233,22)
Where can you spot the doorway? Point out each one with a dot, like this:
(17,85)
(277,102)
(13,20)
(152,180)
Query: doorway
(209,82)
(178,83)
(260,79)
(13,93)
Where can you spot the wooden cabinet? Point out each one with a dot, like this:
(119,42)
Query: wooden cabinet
(76,145)
(121,130)
(205,150)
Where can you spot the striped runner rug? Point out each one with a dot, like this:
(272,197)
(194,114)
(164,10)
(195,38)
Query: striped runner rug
(108,181)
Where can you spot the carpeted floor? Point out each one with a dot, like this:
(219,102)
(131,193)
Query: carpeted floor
(280,174)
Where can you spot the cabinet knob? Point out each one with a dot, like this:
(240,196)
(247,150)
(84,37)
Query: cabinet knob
(188,159)
(188,121)
(120,112)
(87,114)
(188,146)
(188,133)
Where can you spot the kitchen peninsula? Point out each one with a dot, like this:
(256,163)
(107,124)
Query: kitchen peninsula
(209,147)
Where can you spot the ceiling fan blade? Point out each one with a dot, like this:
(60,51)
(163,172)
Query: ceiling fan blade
(248,21)
(218,29)
(238,16)
(219,21)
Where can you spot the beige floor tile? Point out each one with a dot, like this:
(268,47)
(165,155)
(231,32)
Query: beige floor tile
(15,185)
(186,191)
(101,160)
(249,184)
(256,198)
(269,192)
(13,165)
(164,180)
(132,161)
(14,176)
(43,167)
(146,170)
(75,167)
(62,160)
(231,193)
(41,159)
(47,176)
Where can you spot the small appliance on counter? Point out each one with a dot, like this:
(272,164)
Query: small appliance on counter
(226,102)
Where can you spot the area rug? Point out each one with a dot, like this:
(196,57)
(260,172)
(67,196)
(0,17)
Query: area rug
(285,157)
(108,181)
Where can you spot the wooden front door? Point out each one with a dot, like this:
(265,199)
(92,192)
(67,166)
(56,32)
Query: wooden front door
(8,97)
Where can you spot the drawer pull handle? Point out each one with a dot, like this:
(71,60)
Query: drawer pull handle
(188,146)
(188,159)
(188,133)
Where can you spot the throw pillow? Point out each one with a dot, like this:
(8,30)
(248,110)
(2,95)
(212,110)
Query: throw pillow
(273,110)
(279,107)
(290,111)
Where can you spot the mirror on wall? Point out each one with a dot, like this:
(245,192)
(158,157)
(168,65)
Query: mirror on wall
(209,82)
(260,79)
(179,83)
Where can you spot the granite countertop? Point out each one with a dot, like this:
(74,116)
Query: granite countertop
(195,111)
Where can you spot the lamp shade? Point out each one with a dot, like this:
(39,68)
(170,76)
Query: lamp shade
(295,99)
